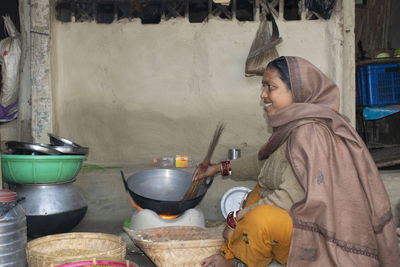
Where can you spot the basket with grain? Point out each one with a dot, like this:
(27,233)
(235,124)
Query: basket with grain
(57,249)
(97,262)
(178,245)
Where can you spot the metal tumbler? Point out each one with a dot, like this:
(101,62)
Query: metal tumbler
(233,154)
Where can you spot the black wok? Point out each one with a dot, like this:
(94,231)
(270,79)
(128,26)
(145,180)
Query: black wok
(162,190)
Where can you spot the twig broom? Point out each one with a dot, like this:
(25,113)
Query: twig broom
(194,187)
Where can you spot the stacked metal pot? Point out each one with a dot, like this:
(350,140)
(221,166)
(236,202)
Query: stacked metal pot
(43,175)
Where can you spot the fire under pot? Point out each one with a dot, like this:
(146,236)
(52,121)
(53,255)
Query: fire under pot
(157,196)
(145,219)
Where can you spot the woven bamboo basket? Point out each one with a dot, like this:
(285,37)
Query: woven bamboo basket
(178,245)
(50,250)
(97,262)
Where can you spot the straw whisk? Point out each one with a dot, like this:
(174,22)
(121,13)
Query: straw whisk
(194,187)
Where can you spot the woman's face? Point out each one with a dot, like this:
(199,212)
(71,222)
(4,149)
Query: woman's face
(276,95)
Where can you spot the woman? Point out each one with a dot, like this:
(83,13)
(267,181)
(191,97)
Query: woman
(339,209)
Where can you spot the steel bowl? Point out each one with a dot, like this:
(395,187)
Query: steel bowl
(23,148)
(61,141)
(68,150)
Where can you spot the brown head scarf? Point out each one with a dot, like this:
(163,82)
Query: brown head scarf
(345,218)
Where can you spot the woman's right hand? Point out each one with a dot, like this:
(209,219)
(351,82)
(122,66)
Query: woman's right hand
(217,260)
(208,171)
(227,233)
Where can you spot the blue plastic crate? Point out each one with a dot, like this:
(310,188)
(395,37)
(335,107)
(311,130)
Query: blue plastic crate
(376,113)
(378,85)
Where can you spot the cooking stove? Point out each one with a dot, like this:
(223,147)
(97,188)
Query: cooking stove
(146,218)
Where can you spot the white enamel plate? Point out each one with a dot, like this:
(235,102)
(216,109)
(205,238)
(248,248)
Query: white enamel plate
(232,198)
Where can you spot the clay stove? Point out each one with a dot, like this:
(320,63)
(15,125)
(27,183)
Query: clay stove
(146,218)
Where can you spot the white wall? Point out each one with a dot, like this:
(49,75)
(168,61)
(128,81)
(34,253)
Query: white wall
(130,91)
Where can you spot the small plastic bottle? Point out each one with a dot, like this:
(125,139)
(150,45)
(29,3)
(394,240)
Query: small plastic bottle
(178,161)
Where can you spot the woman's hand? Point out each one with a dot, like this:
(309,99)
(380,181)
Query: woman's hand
(226,234)
(232,219)
(206,171)
(217,261)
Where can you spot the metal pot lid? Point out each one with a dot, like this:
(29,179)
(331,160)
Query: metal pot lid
(61,141)
(18,185)
(23,147)
(69,150)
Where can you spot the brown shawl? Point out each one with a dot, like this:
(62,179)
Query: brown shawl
(345,218)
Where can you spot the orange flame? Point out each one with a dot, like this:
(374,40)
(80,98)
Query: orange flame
(166,217)
(133,203)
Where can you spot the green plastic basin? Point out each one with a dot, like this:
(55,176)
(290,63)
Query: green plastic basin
(40,168)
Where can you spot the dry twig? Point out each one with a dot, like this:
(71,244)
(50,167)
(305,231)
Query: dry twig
(194,187)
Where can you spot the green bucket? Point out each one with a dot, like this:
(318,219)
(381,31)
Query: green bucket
(40,168)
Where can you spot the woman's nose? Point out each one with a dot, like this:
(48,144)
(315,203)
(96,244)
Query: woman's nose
(264,93)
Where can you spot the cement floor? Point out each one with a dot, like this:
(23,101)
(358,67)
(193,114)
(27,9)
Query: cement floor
(109,204)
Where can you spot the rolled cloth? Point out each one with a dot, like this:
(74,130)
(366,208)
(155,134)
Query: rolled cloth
(345,218)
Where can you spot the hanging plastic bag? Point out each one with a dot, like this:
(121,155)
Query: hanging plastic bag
(263,49)
(321,7)
(10,55)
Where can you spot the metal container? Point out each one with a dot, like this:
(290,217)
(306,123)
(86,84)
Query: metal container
(13,233)
(51,208)
(234,153)
(61,141)
(162,190)
(23,148)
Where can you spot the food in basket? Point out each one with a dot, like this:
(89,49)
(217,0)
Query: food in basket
(40,251)
(97,263)
(176,246)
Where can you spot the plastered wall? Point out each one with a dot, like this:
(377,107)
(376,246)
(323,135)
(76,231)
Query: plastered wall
(130,91)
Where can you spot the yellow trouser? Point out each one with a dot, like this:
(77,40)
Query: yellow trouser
(261,235)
